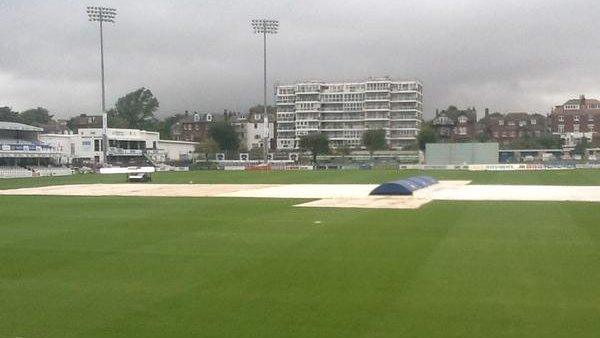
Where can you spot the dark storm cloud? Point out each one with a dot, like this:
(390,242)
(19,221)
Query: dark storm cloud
(201,55)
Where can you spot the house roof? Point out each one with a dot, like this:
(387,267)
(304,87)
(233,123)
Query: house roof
(18,126)
(578,101)
(445,115)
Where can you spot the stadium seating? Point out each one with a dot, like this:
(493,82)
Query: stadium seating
(50,171)
(404,187)
(14,172)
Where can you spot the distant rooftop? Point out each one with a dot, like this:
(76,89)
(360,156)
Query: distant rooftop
(580,99)
(18,126)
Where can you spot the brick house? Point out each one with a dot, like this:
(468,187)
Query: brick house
(454,125)
(576,119)
(84,121)
(193,128)
(506,128)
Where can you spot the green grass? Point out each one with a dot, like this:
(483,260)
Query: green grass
(566,177)
(226,267)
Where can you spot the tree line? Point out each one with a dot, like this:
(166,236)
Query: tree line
(36,116)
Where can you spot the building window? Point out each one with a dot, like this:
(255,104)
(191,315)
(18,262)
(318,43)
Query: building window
(533,122)
(500,122)
(576,128)
(590,127)
(522,123)
(561,128)
(561,118)
(462,119)
(576,118)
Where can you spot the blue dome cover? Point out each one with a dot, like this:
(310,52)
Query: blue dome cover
(404,187)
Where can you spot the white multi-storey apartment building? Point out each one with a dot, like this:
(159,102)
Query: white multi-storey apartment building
(344,111)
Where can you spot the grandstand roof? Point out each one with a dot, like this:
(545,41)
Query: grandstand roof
(18,126)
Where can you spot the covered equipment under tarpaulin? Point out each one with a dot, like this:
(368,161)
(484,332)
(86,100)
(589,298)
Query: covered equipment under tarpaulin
(404,187)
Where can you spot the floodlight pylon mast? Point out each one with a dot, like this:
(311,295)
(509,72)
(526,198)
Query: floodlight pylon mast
(101,15)
(264,27)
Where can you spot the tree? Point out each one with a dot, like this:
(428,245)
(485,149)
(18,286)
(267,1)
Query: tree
(343,151)
(374,139)
(37,116)
(483,137)
(581,147)
(225,135)
(316,143)
(115,120)
(207,147)
(164,127)
(426,135)
(8,115)
(550,142)
(137,108)
(532,142)
(259,109)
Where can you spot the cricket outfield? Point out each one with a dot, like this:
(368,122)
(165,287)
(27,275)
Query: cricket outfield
(114,266)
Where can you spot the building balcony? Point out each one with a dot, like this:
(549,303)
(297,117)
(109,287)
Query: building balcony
(398,109)
(414,128)
(406,101)
(341,129)
(377,90)
(404,119)
(344,138)
(316,127)
(376,118)
(300,111)
(25,147)
(343,119)
(381,108)
(308,92)
(112,151)
(377,99)
(26,150)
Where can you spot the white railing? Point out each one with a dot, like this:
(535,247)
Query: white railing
(125,152)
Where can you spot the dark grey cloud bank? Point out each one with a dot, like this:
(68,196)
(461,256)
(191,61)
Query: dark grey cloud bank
(201,55)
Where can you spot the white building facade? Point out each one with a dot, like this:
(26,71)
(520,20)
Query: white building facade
(254,130)
(123,144)
(343,111)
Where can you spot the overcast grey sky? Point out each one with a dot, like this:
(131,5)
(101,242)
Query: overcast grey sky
(508,55)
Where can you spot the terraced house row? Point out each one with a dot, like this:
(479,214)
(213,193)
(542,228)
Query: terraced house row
(344,110)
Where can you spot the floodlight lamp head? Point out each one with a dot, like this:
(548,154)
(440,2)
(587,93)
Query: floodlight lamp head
(101,14)
(264,26)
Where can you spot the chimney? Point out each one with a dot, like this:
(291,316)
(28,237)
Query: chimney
(487,112)
(582,100)
(437,112)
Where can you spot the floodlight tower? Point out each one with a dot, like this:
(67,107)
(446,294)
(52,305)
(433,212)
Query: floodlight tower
(264,27)
(101,15)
